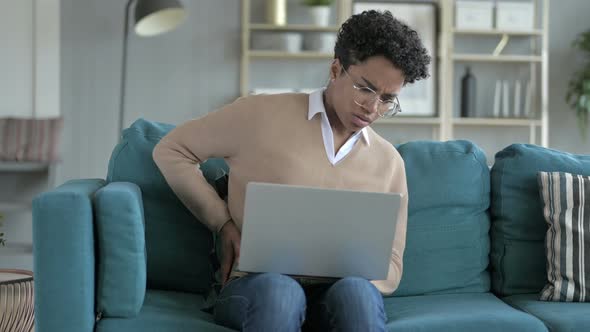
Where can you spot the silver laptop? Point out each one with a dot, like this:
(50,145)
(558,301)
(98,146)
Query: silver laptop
(303,231)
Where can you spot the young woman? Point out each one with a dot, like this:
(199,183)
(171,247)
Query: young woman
(320,139)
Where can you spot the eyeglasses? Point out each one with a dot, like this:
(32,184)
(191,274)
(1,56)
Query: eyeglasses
(364,96)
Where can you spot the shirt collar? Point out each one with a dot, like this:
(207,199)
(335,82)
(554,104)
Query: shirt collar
(316,105)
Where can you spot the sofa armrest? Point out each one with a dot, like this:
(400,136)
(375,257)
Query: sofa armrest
(64,258)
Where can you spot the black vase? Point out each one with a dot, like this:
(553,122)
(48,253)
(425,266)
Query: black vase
(468,93)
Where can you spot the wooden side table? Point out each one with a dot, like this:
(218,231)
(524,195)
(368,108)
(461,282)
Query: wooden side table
(16,301)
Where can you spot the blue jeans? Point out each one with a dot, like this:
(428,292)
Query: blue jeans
(274,302)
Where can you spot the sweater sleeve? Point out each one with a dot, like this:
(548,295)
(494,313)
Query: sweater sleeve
(215,135)
(398,185)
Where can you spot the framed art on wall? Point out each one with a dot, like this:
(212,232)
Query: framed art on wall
(420,98)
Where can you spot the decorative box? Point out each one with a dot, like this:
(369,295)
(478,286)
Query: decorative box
(513,15)
(474,15)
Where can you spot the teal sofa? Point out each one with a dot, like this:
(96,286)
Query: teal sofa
(474,259)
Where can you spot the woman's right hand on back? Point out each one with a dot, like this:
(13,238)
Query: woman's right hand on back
(230,249)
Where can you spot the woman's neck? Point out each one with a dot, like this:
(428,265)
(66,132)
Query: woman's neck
(335,123)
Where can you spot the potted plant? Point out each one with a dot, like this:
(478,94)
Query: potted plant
(578,93)
(319,11)
(2,241)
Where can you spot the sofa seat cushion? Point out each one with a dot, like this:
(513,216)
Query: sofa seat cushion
(165,311)
(558,316)
(457,312)
(448,222)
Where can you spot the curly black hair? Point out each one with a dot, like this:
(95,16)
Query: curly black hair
(373,33)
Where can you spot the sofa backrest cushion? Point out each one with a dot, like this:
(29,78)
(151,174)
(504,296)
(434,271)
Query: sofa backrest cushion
(177,244)
(447,236)
(120,243)
(518,226)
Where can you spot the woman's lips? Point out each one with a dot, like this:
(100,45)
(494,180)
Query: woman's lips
(359,121)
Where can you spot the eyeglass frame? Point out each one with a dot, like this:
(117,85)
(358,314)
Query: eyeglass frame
(394,100)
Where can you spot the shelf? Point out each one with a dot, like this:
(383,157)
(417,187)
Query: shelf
(281,54)
(496,122)
(8,207)
(498,58)
(509,122)
(292,27)
(410,120)
(16,248)
(15,166)
(495,32)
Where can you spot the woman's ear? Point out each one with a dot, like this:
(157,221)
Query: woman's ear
(335,69)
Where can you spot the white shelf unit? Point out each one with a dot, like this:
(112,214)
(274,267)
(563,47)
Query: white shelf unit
(287,55)
(496,122)
(496,58)
(343,8)
(537,60)
(534,32)
(443,125)
(410,120)
(292,27)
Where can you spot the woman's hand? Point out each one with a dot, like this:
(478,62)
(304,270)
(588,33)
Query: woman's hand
(230,249)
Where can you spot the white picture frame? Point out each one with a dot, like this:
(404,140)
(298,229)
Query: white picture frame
(420,98)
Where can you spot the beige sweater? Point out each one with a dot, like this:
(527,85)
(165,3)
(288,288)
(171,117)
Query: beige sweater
(268,138)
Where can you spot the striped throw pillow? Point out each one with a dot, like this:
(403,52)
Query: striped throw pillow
(566,200)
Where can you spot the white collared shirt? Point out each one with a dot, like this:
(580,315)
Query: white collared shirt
(316,105)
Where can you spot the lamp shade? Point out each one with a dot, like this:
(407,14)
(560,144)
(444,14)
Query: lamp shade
(154,17)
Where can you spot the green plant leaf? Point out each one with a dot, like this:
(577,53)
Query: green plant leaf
(2,241)
(578,91)
(582,101)
(582,114)
(318,2)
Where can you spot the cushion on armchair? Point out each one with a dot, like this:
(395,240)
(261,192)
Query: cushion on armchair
(177,244)
(121,259)
(518,227)
(447,236)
